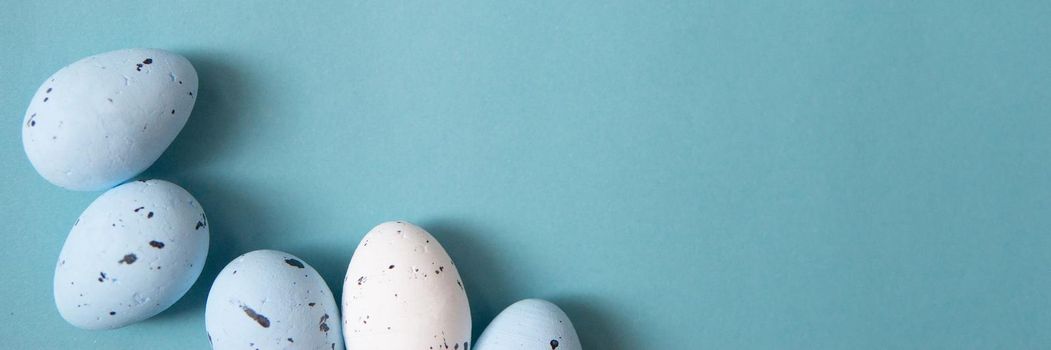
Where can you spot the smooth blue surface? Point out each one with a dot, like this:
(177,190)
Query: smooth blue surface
(676,175)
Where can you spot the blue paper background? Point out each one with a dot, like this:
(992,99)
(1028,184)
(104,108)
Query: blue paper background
(676,175)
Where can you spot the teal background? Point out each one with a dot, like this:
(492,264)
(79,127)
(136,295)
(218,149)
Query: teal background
(675,175)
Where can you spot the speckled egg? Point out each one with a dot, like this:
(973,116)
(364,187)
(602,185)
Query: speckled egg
(106,118)
(269,299)
(530,324)
(132,253)
(402,291)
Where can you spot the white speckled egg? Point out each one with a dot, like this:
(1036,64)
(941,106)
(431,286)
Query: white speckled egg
(108,117)
(132,253)
(530,324)
(268,299)
(402,291)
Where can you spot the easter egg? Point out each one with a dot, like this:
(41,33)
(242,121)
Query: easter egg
(267,299)
(530,324)
(402,291)
(104,119)
(132,253)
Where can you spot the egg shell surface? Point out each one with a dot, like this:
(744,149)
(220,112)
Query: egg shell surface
(530,324)
(132,253)
(105,118)
(402,291)
(267,299)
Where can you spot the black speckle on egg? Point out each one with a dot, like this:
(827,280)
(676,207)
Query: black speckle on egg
(323,325)
(554,343)
(148,61)
(128,259)
(199,225)
(48,91)
(156,244)
(149,215)
(111,313)
(45,99)
(139,208)
(173,111)
(390,267)
(295,263)
(262,320)
(138,67)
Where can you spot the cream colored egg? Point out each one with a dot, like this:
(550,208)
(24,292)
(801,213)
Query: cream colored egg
(402,291)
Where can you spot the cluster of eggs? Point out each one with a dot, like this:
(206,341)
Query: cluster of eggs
(141,245)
